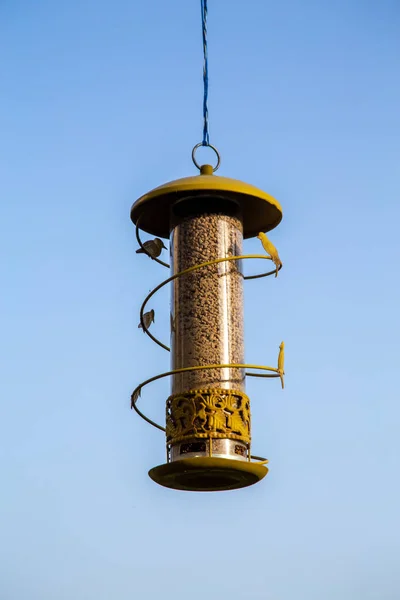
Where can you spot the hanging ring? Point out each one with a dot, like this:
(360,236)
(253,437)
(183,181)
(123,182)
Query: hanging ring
(208,146)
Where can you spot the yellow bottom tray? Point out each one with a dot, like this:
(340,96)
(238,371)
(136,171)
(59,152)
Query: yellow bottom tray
(208,474)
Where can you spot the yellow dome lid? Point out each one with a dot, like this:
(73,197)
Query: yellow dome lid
(261,212)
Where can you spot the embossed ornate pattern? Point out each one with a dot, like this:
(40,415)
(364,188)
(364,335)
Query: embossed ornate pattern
(209,413)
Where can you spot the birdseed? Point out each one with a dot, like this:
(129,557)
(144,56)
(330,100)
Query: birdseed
(207,305)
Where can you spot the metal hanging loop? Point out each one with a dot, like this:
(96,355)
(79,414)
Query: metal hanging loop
(197,146)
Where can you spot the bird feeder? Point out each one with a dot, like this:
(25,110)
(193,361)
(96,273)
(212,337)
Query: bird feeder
(208,426)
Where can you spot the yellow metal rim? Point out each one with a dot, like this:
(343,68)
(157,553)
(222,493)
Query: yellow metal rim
(261,212)
(208,474)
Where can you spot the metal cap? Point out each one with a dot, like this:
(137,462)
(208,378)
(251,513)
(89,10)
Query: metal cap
(261,212)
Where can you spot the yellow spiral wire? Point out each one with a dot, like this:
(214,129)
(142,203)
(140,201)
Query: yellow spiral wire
(273,372)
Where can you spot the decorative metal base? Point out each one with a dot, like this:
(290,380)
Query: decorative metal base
(208,474)
(205,413)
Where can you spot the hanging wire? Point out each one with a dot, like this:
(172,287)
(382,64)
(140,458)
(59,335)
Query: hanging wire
(206,136)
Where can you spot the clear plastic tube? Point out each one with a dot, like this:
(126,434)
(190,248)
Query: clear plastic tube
(207,304)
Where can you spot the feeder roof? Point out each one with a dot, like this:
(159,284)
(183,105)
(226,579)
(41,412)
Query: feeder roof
(261,212)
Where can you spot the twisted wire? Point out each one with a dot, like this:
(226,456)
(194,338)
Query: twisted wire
(206,136)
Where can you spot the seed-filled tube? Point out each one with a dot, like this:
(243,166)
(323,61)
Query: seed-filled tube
(206,329)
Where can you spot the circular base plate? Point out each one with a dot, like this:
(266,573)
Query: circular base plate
(208,474)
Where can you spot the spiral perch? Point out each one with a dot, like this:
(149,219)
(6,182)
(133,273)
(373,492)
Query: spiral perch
(276,372)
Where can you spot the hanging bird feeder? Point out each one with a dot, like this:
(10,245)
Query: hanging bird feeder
(208,426)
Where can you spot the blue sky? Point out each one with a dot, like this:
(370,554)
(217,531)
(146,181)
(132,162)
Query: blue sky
(101,102)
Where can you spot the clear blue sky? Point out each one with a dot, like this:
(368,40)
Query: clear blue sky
(101,101)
